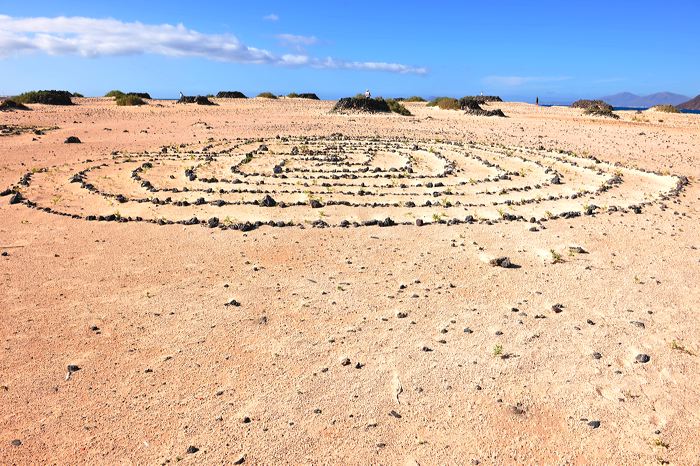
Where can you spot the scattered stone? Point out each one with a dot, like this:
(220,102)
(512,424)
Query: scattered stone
(401,314)
(72,140)
(192,449)
(16,442)
(394,414)
(345,362)
(233,303)
(643,358)
(597,355)
(501,262)
(594,424)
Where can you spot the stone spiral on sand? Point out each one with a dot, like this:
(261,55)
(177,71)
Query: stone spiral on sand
(340,181)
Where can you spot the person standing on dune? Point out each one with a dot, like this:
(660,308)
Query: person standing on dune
(368,95)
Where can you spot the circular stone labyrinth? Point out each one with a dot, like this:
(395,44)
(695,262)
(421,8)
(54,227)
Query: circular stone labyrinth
(340,181)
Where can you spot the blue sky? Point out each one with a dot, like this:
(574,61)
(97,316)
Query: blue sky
(517,49)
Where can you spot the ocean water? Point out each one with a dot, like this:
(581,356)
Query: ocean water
(647,108)
(696,112)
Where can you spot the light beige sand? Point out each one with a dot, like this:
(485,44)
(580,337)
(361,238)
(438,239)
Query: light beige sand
(171,366)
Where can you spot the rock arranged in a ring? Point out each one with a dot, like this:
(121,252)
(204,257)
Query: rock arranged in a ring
(339,181)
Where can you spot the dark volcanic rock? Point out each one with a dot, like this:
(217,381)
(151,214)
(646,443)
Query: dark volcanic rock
(72,140)
(268,201)
(643,358)
(501,262)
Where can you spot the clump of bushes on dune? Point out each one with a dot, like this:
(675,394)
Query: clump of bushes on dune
(10,105)
(199,100)
(592,104)
(595,108)
(397,107)
(230,95)
(360,103)
(117,94)
(128,100)
(306,95)
(665,108)
(45,97)
(267,95)
(415,98)
(445,103)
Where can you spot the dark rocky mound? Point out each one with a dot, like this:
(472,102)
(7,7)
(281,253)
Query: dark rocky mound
(482,99)
(692,104)
(72,140)
(472,107)
(199,100)
(361,104)
(592,104)
(10,105)
(45,97)
(230,95)
(307,95)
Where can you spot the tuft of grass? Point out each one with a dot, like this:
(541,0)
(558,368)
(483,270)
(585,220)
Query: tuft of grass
(556,257)
(677,346)
(498,350)
(267,95)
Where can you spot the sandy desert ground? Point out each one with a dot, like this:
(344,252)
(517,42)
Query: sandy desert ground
(209,340)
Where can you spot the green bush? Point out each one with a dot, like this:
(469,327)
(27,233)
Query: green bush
(445,103)
(267,95)
(396,107)
(45,97)
(304,95)
(230,95)
(128,100)
(115,93)
(78,94)
(415,98)
(601,111)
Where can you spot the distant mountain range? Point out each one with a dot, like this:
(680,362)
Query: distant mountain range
(627,99)
(692,104)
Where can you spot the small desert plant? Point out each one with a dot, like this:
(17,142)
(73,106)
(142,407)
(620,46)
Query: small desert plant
(267,95)
(677,346)
(498,350)
(415,98)
(556,257)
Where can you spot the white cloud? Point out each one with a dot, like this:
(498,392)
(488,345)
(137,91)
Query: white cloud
(295,41)
(271,17)
(90,37)
(517,81)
